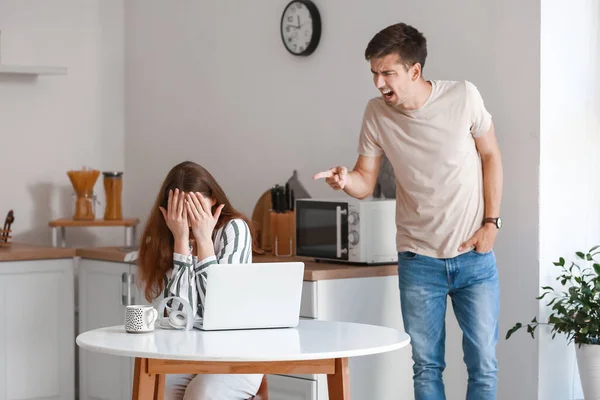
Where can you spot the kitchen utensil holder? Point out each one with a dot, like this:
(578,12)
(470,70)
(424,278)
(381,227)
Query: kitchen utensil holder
(283,233)
(276,248)
(5,235)
(5,238)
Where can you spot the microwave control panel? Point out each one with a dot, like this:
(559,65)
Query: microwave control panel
(353,232)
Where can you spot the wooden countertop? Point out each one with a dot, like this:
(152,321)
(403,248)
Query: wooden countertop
(93,222)
(313,271)
(317,271)
(24,252)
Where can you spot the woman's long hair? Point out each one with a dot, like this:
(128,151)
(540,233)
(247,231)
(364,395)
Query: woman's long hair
(157,243)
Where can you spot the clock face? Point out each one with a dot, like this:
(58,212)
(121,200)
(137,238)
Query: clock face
(300,27)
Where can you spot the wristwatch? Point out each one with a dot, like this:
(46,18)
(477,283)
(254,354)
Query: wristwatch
(496,221)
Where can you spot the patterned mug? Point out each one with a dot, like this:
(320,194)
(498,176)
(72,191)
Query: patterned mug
(140,318)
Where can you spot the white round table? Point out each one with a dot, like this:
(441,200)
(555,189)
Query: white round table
(314,347)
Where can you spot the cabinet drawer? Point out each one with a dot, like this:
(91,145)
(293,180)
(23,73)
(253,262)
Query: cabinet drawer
(288,388)
(308,304)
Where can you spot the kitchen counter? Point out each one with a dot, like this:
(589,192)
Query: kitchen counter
(317,271)
(313,271)
(24,252)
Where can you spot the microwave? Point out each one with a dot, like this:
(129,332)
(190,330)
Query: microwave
(347,230)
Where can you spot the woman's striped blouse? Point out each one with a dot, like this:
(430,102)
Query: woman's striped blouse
(187,279)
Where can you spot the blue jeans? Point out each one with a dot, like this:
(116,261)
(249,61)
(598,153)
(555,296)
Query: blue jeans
(471,280)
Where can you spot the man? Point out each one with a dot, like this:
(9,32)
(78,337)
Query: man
(441,143)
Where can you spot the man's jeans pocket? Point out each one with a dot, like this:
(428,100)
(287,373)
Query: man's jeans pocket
(407,255)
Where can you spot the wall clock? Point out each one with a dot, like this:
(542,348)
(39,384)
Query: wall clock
(301,27)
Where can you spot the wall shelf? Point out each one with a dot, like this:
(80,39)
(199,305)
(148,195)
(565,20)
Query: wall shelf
(31,70)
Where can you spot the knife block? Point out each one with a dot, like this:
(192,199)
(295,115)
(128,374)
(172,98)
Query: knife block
(283,233)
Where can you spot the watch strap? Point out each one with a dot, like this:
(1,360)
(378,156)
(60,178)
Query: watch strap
(491,220)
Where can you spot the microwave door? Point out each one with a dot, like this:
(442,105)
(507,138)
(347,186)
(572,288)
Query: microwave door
(322,229)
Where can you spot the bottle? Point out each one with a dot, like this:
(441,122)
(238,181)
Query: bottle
(113,188)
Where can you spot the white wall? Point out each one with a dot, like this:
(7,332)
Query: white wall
(212,82)
(57,123)
(569,176)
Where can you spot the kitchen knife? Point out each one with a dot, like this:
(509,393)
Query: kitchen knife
(286,194)
(281,199)
(273,199)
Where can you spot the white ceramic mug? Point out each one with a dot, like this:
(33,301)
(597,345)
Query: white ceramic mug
(140,318)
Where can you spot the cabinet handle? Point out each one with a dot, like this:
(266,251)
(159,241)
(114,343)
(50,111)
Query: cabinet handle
(126,289)
(338,232)
(132,292)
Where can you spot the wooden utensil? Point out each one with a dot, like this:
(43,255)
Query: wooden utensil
(261,221)
(4,235)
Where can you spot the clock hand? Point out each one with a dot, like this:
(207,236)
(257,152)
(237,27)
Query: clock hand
(287,27)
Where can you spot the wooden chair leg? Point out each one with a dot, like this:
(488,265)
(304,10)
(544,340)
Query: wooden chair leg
(145,385)
(159,388)
(338,384)
(263,390)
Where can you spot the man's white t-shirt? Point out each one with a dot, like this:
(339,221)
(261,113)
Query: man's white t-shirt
(439,180)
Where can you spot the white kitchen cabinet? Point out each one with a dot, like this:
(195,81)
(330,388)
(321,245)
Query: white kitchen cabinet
(368,300)
(103,295)
(37,335)
(289,388)
(137,293)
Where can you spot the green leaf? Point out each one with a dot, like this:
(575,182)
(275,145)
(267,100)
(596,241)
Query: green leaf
(580,255)
(581,318)
(597,268)
(560,262)
(542,296)
(594,248)
(550,287)
(588,257)
(534,320)
(512,330)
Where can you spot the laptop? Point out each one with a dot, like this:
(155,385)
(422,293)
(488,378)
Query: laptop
(252,296)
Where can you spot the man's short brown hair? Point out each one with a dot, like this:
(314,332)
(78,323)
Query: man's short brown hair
(400,39)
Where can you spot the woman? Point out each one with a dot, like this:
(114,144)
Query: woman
(193,225)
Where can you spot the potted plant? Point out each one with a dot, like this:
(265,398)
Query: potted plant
(575,313)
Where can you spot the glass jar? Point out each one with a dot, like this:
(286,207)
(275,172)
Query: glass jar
(113,188)
(84,207)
